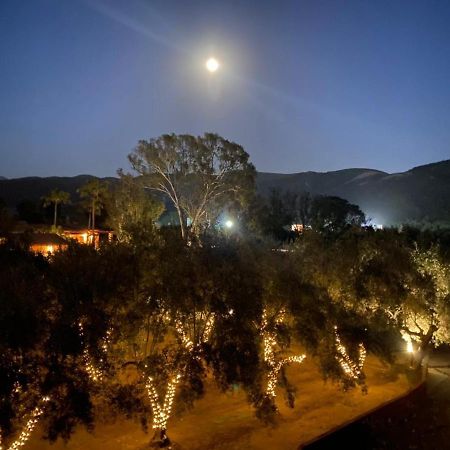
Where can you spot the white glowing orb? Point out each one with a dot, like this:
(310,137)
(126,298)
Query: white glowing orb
(229,223)
(409,347)
(212,64)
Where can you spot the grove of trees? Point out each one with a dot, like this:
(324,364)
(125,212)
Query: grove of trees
(138,327)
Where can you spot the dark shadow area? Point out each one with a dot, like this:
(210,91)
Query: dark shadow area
(420,421)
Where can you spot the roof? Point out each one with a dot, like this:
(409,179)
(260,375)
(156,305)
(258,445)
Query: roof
(46,239)
(86,230)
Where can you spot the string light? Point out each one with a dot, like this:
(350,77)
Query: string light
(29,426)
(187,341)
(208,328)
(351,369)
(107,340)
(94,373)
(275,370)
(270,342)
(161,414)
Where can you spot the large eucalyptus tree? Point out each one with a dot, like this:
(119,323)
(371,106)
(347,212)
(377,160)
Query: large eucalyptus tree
(200,175)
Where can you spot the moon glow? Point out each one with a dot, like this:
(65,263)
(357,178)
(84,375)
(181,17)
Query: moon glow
(212,64)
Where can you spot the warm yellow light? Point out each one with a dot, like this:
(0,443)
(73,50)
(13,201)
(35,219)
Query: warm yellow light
(212,64)
(352,369)
(409,347)
(29,427)
(275,365)
(161,413)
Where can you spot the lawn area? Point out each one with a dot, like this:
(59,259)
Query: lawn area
(225,421)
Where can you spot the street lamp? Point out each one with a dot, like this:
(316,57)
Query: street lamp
(410,350)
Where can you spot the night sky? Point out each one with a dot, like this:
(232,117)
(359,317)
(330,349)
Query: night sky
(303,85)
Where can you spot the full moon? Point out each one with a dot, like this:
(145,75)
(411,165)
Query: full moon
(212,64)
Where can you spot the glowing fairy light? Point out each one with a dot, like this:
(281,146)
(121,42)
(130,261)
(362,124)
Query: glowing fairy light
(352,369)
(269,344)
(187,341)
(29,426)
(161,414)
(94,373)
(107,340)
(275,370)
(208,329)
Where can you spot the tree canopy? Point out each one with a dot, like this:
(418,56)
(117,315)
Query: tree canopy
(138,327)
(95,193)
(55,198)
(200,175)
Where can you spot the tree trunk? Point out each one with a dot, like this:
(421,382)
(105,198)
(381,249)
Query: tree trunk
(181,219)
(93,217)
(425,345)
(161,440)
(55,214)
(195,230)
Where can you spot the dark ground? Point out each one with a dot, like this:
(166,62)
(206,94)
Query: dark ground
(420,422)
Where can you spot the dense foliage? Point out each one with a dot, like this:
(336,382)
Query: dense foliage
(138,327)
(118,330)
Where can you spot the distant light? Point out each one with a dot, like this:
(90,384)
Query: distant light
(409,347)
(212,64)
(229,223)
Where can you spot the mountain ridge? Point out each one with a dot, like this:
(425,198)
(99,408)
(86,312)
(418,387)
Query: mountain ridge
(420,194)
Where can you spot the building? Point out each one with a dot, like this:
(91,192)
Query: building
(46,243)
(87,236)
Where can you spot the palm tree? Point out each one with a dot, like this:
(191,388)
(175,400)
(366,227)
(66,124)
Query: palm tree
(95,193)
(56,197)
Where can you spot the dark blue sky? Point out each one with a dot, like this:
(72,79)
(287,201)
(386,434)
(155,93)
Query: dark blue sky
(304,85)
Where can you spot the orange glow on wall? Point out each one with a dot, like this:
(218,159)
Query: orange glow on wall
(85,236)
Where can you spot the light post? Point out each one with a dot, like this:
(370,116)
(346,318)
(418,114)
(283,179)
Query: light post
(410,350)
(228,226)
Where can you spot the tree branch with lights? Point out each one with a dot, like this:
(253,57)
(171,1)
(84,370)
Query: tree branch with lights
(273,362)
(192,331)
(352,368)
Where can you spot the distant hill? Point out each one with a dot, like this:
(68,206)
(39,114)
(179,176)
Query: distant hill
(420,194)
